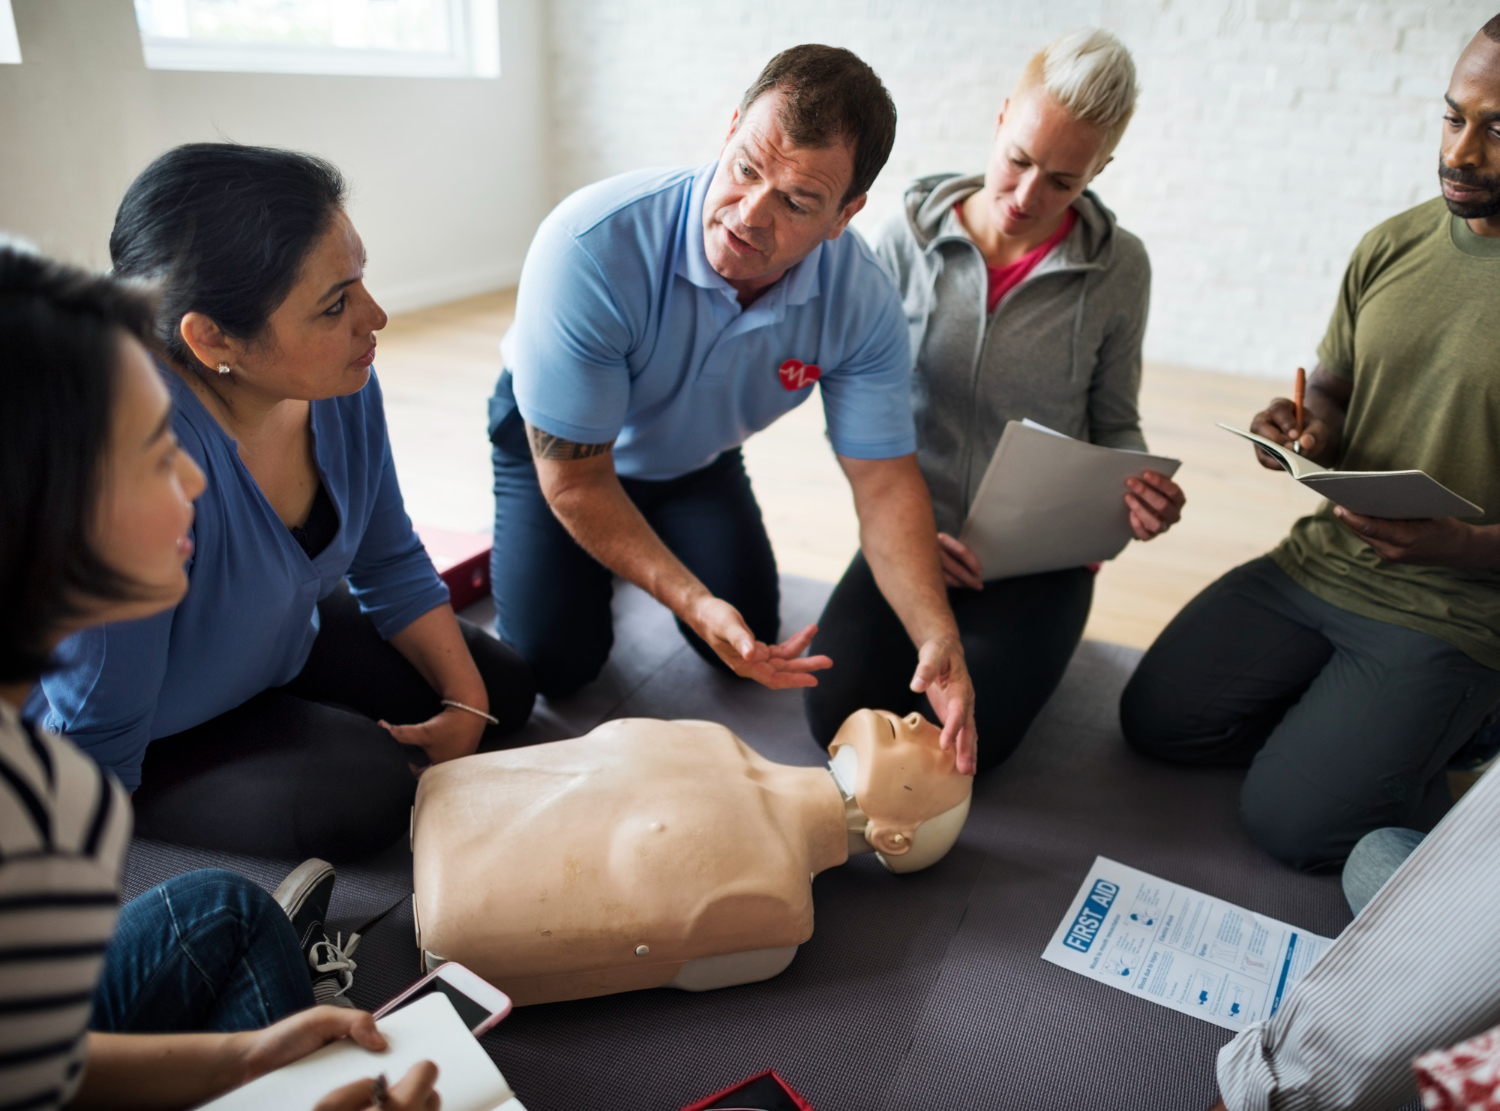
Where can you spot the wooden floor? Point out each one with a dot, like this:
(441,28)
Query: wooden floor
(438,368)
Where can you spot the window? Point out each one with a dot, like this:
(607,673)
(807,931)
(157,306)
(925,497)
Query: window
(10,46)
(385,38)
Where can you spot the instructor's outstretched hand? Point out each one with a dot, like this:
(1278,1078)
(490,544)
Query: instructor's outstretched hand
(944,676)
(778,666)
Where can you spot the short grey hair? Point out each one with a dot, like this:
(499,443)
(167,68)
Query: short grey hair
(1091,74)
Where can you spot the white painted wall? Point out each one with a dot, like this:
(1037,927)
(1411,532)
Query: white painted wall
(1271,134)
(450,177)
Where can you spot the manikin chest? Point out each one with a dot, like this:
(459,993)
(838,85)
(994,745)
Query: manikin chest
(610,862)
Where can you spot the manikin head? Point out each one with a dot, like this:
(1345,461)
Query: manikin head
(1058,129)
(906,785)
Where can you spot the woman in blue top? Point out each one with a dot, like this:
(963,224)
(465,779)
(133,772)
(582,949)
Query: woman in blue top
(276,710)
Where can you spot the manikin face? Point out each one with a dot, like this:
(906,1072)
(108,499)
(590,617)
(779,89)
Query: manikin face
(771,202)
(319,342)
(905,778)
(1469,166)
(1042,158)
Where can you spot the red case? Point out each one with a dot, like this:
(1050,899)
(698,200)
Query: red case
(707,1102)
(462,560)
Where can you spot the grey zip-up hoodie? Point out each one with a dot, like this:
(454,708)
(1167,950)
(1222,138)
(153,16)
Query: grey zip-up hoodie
(1063,347)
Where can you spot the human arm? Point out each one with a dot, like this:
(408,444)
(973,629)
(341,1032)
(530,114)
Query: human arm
(1402,979)
(392,577)
(896,532)
(1325,405)
(181,1070)
(1438,542)
(105,692)
(434,645)
(583,491)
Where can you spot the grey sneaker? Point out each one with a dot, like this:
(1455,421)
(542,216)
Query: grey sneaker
(305,895)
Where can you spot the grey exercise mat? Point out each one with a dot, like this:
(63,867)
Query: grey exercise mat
(923,991)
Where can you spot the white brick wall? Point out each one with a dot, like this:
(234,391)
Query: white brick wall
(1270,134)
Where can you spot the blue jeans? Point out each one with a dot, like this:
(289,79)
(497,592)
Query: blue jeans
(205,951)
(1374,860)
(552,599)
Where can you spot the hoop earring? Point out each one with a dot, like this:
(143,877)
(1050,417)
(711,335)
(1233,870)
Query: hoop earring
(224,368)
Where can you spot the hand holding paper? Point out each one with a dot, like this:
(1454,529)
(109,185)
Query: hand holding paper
(425,1044)
(961,567)
(1155,504)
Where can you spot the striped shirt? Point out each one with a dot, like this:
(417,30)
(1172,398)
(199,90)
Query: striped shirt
(1416,971)
(64,827)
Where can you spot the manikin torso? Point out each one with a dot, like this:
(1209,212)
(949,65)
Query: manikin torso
(652,853)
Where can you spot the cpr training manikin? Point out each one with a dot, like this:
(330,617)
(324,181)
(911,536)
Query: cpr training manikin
(662,853)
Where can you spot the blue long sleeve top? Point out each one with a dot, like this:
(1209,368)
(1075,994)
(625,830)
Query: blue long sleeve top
(250,615)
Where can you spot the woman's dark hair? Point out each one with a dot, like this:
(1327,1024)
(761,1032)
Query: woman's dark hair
(60,336)
(223,230)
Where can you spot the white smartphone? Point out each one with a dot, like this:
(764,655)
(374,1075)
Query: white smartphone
(480,1004)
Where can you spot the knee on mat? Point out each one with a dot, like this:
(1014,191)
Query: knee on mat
(510,684)
(344,815)
(1148,712)
(558,678)
(1300,835)
(825,712)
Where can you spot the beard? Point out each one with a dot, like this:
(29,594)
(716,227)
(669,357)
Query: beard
(1482,207)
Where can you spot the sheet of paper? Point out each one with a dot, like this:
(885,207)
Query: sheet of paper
(427,1030)
(1181,948)
(1048,501)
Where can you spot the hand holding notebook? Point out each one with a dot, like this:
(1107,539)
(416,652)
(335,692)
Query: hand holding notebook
(427,1030)
(1393,495)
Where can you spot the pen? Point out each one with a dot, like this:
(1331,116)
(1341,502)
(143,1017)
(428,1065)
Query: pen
(1301,390)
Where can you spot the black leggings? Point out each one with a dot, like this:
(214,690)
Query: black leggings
(1018,636)
(305,769)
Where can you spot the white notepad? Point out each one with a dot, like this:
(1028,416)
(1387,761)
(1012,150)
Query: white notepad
(1048,501)
(427,1030)
(1393,495)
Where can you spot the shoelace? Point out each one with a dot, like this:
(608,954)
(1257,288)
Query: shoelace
(335,957)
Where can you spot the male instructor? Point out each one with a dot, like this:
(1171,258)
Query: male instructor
(664,317)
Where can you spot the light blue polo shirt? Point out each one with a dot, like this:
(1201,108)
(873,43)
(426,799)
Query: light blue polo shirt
(624,332)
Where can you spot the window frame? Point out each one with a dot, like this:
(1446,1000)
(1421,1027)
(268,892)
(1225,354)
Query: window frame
(475,53)
(10,42)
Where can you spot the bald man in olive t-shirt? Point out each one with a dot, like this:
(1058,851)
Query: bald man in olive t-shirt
(1349,665)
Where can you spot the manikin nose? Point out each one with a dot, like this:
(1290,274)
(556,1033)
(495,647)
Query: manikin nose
(913,719)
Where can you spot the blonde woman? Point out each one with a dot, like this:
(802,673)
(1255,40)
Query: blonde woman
(1025,298)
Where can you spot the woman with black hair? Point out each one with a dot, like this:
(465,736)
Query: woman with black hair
(276,710)
(95,510)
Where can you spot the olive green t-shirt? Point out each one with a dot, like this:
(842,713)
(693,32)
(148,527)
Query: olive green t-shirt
(1417,329)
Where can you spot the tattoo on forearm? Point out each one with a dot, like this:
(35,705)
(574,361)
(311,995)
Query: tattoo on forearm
(544,445)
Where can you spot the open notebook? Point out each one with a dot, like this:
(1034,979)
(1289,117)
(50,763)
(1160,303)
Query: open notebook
(1393,495)
(1048,501)
(427,1030)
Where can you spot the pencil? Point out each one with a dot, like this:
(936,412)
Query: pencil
(1301,390)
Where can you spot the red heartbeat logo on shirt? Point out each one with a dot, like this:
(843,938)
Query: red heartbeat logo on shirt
(796,375)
